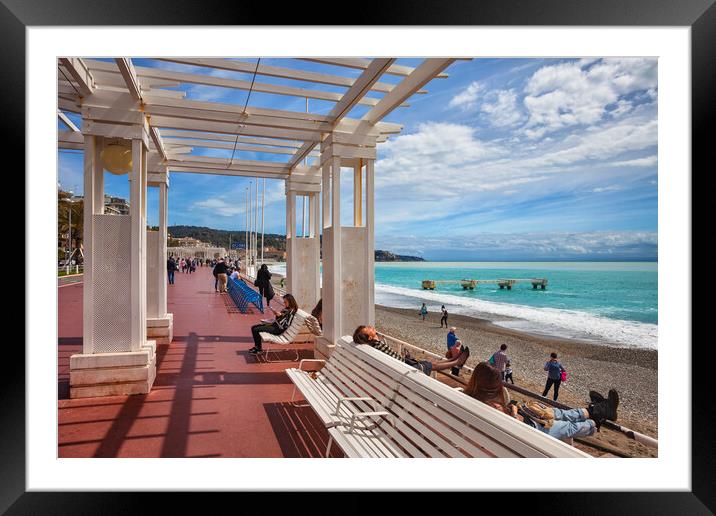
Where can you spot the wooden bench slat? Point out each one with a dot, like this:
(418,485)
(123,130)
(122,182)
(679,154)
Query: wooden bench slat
(426,428)
(503,429)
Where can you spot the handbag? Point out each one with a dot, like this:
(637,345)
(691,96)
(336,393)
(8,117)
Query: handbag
(564,376)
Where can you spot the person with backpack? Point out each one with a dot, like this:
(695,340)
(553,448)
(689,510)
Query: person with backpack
(554,375)
(486,386)
(499,359)
(283,320)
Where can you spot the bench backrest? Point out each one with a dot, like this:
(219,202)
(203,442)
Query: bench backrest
(434,420)
(299,319)
(242,294)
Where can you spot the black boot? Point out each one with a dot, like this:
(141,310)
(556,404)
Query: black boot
(598,412)
(613,404)
(595,396)
(603,409)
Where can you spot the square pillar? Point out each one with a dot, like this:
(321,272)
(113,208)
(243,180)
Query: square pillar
(160,324)
(348,252)
(303,252)
(116,357)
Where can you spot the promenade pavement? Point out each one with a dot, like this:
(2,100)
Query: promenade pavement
(211,398)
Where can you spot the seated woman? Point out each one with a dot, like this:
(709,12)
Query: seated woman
(486,385)
(317,312)
(278,326)
(368,335)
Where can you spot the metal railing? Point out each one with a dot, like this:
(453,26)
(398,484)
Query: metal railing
(69,270)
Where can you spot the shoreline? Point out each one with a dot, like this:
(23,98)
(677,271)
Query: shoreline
(632,371)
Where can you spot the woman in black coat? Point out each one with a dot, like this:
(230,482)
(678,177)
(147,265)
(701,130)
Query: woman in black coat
(263,282)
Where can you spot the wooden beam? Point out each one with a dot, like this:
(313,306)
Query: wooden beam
(237,163)
(276,71)
(80,73)
(428,70)
(209,80)
(234,128)
(360,87)
(189,168)
(227,138)
(230,146)
(130,77)
(362,64)
(66,120)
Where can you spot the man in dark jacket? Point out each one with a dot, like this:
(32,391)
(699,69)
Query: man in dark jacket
(220,273)
(171,267)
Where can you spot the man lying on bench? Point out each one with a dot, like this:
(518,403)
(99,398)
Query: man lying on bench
(277,327)
(368,335)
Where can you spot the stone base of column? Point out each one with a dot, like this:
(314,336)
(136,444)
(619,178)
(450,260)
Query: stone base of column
(323,348)
(161,329)
(113,374)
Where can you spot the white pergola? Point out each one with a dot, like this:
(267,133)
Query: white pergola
(125,309)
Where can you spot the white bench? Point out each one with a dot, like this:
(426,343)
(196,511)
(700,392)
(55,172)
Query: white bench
(376,406)
(289,336)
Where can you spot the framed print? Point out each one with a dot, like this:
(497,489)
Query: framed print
(226,180)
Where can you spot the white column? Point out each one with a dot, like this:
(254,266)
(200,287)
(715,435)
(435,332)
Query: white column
(336,246)
(370,238)
(162,254)
(137,279)
(93,204)
(358,195)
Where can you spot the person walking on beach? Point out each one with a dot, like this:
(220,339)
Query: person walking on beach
(499,360)
(508,372)
(444,317)
(554,375)
(423,311)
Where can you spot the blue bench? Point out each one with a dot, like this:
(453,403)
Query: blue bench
(242,295)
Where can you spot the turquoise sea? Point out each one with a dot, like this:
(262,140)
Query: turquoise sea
(609,302)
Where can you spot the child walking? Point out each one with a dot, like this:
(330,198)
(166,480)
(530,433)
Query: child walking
(508,372)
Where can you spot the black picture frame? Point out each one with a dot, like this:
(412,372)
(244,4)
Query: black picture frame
(700,15)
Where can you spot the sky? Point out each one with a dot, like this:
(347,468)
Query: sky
(506,159)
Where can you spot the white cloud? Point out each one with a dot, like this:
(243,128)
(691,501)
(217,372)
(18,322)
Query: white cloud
(500,106)
(467,98)
(625,243)
(649,161)
(578,93)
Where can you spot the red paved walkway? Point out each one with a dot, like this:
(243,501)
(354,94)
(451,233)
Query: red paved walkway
(210,399)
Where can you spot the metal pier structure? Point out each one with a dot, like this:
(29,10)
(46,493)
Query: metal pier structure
(503,283)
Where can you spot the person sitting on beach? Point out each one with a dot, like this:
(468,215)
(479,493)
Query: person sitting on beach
(554,375)
(453,346)
(369,335)
(508,372)
(283,320)
(486,386)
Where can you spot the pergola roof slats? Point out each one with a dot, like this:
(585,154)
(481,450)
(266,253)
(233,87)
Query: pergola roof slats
(279,72)
(209,80)
(362,64)
(120,99)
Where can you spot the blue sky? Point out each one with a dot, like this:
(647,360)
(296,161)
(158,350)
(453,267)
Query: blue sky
(524,159)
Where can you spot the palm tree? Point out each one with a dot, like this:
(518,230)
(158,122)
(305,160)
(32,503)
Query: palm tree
(64,207)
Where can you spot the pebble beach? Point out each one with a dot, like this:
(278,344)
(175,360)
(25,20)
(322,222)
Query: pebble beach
(633,372)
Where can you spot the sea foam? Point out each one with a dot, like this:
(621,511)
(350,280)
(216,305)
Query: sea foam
(549,321)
